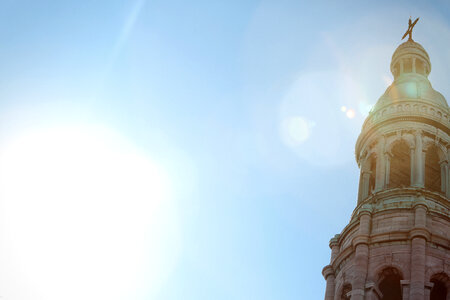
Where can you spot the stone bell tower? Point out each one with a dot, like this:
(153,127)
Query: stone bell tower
(397,243)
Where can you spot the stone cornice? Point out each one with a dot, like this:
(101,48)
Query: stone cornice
(389,237)
(407,200)
(421,111)
(409,107)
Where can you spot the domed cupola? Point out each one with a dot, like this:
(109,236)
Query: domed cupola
(407,133)
(411,91)
(410,57)
(409,104)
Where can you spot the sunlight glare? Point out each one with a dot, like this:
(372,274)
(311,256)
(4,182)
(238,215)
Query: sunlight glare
(85,215)
(387,80)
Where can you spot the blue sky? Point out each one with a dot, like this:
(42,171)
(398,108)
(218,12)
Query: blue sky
(188,149)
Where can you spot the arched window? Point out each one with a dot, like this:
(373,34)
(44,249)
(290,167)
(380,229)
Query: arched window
(389,284)
(439,290)
(346,290)
(432,170)
(400,166)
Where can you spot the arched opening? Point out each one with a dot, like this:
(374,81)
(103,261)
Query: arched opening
(439,290)
(400,166)
(420,67)
(346,291)
(432,170)
(389,284)
(407,65)
(396,70)
(373,173)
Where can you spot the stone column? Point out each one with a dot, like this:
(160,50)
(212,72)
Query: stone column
(365,185)
(381,166)
(360,243)
(360,187)
(447,182)
(418,162)
(334,246)
(414,65)
(387,168)
(328,274)
(428,287)
(413,165)
(419,235)
(328,271)
(444,171)
(405,289)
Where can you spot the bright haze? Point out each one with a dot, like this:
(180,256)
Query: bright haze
(188,149)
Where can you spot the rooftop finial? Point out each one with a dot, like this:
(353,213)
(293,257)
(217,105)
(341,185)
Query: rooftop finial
(410,28)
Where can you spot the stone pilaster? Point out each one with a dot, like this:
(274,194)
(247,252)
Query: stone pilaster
(444,172)
(428,287)
(381,166)
(328,274)
(419,235)
(387,167)
(418,176)
(405,289)
(360,243)
(334,246)
(365,185)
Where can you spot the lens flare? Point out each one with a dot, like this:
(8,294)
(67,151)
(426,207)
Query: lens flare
(350,114)
(296,130)
(343,108)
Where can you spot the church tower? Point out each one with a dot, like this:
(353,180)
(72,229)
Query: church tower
(397,243)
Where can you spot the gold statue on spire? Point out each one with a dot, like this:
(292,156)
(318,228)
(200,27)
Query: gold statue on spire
(410,28)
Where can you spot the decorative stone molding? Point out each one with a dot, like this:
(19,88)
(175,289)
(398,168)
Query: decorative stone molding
(428,288)
(420,232)
(372,291)
(357,292)
(365,209)
(327,271)
(371,128)
(360,239)
(420,201)
(334,241)
(407,197)
(408,108)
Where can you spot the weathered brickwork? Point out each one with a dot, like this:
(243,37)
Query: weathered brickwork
(397,243)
